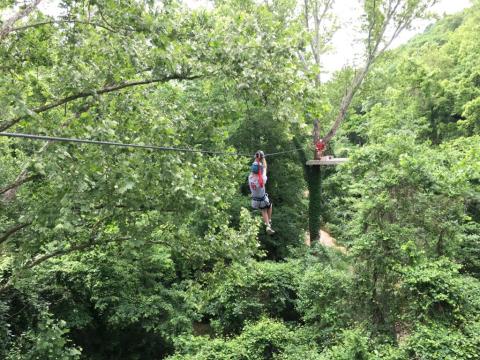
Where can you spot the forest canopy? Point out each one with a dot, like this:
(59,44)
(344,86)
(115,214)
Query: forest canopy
(111,252)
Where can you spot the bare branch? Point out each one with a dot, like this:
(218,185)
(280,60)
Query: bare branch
(307,15)
(304,62)
(7,25)
(21,179)
(9,123)
(322,17)
(53,22)
(347,100)
(316,35)
(373,54)
(396,32)
(370,31)
(319,13)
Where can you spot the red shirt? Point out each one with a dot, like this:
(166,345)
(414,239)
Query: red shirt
(320,145)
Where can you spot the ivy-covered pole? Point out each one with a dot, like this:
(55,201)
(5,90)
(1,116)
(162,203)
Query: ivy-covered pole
(313,177)
(314,180)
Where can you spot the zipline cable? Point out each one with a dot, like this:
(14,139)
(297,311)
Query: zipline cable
(111,143)
(282,152)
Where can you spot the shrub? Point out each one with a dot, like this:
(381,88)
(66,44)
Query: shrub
(436,291)
(263,340)
(436,341)
(353,345)
(323,297)
(249,292)
(47,341)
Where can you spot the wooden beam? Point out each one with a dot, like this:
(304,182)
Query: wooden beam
(327,160)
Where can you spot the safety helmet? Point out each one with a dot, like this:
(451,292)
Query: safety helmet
(259,155)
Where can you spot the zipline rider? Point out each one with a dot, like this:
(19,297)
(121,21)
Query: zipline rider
(256,182)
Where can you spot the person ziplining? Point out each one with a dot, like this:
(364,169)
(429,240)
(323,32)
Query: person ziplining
(257,178)
(257,181)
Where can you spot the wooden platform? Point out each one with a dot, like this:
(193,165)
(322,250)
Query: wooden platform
(327,160)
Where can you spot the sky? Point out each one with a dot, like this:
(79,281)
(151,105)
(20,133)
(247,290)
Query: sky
(344,52)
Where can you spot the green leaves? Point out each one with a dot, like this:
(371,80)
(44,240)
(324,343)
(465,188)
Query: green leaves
(472,119)
(47,341)
(265,339)
(442,295)
(127,253)
(437,341)
(323,297)
(246,292)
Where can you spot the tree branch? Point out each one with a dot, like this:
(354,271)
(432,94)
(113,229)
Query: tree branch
(346,101)
(42,258)
(373,54)
(307,25)
(370,30)
(12,231)
(304,62)
(109,24)
(21,179)
(53,22)
(91,241)
(9,123)
(7,25)
(316,36)
(319,14)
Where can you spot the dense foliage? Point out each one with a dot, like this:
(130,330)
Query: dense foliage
(121,253)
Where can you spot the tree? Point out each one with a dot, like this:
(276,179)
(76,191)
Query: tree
(382,23)
(83,212)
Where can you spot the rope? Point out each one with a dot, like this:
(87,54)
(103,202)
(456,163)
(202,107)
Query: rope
(282,152)
(111,143)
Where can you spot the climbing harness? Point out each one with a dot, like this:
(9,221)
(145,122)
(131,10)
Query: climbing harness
(259,198)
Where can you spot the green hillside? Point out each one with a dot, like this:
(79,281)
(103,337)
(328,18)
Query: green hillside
(154,251)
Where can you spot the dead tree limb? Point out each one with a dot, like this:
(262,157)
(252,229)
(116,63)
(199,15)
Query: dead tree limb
(8,24)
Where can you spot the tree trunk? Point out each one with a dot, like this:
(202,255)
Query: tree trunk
(313,177)
(314,181)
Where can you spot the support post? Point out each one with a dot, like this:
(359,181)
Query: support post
(316,139)
(314,181)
